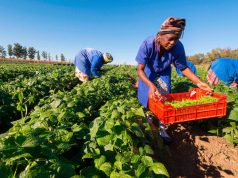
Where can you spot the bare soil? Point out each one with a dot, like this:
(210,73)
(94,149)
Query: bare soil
(197,154)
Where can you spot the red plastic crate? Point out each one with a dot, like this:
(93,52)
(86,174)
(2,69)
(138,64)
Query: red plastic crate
(167,114)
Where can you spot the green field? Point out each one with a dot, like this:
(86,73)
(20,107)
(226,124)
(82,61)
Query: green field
(54,126)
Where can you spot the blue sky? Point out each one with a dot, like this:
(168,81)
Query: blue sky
(116,26)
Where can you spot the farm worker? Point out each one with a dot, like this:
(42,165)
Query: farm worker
(155,56)
(190,65)
(225,70)
(88,62)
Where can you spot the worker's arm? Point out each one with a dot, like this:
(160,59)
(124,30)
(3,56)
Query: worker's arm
(153,91)
(97,63)
(196,80)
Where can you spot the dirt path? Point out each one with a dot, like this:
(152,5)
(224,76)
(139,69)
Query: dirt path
(197,154)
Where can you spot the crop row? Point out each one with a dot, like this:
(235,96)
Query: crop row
(9,72)
(19,96)
(91,130)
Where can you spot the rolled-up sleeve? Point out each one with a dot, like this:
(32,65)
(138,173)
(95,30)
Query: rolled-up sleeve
(142,55)
(180,57)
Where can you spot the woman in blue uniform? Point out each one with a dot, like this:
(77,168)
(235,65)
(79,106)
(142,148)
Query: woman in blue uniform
(225,70)
(154,58)
(88,61)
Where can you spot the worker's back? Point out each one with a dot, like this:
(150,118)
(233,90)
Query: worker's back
(226,69)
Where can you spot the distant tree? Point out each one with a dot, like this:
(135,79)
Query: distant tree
(197,58)
(44,54)
(49,57)
(9,49)
(234,53)
(17,50)
(31,52)
(24,53)
(2,52)
(62,58)
(226,52)
(56,57)
(214,54)
(38,55)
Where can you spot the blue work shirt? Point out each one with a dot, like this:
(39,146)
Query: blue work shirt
(88,61)
(191,66)
(148,55)
(226,69)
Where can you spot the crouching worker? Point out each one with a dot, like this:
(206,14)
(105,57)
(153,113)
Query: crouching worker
(225,70)
(88,62)
(190,65)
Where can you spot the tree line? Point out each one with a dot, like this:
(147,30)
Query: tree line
(19,51)
(201,58)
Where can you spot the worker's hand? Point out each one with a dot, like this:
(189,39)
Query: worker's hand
(154,93)
(233,85)
(205,86)
(84,78)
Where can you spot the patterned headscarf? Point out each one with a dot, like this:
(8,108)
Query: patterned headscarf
(173,25)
